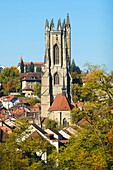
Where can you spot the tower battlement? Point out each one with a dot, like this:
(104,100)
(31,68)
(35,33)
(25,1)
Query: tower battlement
(60,26)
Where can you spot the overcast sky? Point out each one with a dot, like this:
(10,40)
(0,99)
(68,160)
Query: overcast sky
(22,29)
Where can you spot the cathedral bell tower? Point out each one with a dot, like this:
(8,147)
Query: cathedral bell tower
(56,63)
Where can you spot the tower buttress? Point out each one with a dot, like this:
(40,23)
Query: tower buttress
(68,38)
(47,43)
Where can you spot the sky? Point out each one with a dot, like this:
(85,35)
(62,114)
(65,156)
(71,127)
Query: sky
(22,30)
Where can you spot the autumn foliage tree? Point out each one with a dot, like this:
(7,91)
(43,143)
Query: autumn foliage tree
(10,80)
(37,90)
(91,147)
(19,154)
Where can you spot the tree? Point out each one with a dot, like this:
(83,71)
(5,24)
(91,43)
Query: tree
(37,90)
(38,69)
(22,66)
(88,151)
(76,91)
(98,85)
(19,154)
(91,147)
(31,67)
(32,101)
(74,68)
(96,92)
(75,73)
(10,80)
(50,124)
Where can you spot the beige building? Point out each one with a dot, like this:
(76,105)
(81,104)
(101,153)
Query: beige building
(56,76)
(30,79)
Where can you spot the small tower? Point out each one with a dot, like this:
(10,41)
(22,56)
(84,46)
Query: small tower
(56,63)
(21,59)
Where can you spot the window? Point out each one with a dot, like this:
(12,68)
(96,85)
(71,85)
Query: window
(56,78)
(56,54)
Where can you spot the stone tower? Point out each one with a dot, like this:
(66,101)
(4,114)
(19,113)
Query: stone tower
(56,63)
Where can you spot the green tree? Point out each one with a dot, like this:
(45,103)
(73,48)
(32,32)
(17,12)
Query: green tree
(91,146)
(19,154)
(10,80)
(31,67)
(98,86)
(76,91)
(75,73)
(38,69)
(96,92)
(74,68)
(22,66)
(37,90)
(50,124)
(33,101)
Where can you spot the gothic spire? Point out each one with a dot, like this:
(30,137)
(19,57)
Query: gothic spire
(47,24)
(63,24)
(52,25)
(68,20)
(59,25)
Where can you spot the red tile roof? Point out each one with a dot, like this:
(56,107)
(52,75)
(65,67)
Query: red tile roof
(28,63)
(79,104)
(35,63)
(9,98)
(112,111)
(37,105)
(2,116)
(34,109)
(61,103)
(83,121)
(6,129)
(18,111)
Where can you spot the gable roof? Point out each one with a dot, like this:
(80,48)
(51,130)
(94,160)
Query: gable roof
(60,103)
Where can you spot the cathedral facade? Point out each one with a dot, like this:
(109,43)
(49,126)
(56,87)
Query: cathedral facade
(56,77)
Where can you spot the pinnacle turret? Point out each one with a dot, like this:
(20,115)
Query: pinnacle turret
(59,25)
(47,24)
(68,21)
(52,25)
(63,24)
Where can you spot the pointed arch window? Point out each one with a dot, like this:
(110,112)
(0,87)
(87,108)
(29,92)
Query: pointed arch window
(56,54)
(56,78)
(65,123)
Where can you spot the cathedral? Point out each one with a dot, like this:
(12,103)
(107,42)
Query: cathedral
(56,79)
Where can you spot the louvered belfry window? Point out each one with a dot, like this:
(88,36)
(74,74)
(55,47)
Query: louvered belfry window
(56,54)
(56,78)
